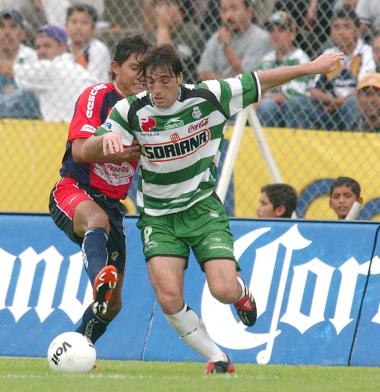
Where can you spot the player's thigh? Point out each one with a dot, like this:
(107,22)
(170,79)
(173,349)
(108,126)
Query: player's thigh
(166,274)
(159,239)
(209,235)
(221,277)
(64,199)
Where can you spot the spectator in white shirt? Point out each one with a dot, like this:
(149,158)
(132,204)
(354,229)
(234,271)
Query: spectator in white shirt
(88,51)
(55,77)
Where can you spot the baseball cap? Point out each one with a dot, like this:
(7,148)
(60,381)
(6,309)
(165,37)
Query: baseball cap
(13,14)
(279,18)
(370,79)
(54,32)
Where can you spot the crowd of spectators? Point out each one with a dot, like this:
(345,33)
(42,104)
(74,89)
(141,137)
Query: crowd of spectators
(215,38)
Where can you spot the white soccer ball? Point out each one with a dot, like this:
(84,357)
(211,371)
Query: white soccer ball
(71,352)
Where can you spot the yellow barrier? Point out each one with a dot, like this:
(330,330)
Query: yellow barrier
(31,154)
(304,156)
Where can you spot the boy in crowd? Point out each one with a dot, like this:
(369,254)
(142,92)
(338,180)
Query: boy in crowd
(91,53)
(332,102)
(277,201)
(344,192)
(282,32)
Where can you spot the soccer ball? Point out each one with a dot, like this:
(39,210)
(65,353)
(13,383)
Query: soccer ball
(71,352)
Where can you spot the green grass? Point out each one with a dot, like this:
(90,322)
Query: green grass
(25,374)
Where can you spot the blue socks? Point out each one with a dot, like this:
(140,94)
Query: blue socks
(94,251)
(95,256)
(92,326)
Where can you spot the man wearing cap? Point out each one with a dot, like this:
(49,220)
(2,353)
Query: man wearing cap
(368,93)
(237,46)
(282,32)
(14,102)
(55,77)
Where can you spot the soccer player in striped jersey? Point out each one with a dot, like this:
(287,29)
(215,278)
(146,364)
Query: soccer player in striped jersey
(85,203)
(180,130)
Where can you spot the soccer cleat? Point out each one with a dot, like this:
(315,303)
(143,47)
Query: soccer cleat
(104,284)
(220,367)
(246,308)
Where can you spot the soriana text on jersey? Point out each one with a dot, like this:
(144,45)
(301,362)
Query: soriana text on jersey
(177,148)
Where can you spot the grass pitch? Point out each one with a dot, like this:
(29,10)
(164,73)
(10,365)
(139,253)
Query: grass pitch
(26,374)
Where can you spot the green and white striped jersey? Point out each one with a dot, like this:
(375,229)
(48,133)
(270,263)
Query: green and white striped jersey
(181,145)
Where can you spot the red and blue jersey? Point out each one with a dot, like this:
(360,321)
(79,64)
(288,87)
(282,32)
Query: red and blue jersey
(91,110)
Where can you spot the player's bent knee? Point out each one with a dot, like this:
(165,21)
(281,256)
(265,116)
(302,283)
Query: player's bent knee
(170,304)
(224,295)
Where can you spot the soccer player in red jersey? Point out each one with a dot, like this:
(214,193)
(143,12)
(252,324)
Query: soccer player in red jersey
(85,202)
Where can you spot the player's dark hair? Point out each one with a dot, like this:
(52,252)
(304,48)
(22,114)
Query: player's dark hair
(348,182)
(162,56)
(132,44)
(82,7)
(346,12)
(281,195)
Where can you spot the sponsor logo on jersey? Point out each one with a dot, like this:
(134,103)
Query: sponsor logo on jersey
(197,126)
(197,113)
(115,174)
(175,137)
(174,123)
(108,125)
(88,128)
(177,149)
(91,99)
(147,124)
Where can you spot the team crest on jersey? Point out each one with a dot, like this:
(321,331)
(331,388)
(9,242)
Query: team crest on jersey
(196,114)
(175,122)
(147,124)
(177,147)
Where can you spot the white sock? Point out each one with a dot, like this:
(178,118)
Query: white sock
(192,331)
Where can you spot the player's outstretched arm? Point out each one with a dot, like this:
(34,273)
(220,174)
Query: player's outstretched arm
(325,63)
(106,148)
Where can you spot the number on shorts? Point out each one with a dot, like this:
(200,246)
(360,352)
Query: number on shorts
(147,232)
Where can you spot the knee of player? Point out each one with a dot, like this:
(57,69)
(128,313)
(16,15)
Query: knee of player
(224,293)
(170,302)
(100,219)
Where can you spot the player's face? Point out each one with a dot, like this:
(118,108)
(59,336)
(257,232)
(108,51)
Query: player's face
(48,48)
(80,28)
(235,15)
(11,34)
(163,87)
(341,200)
(127,78)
